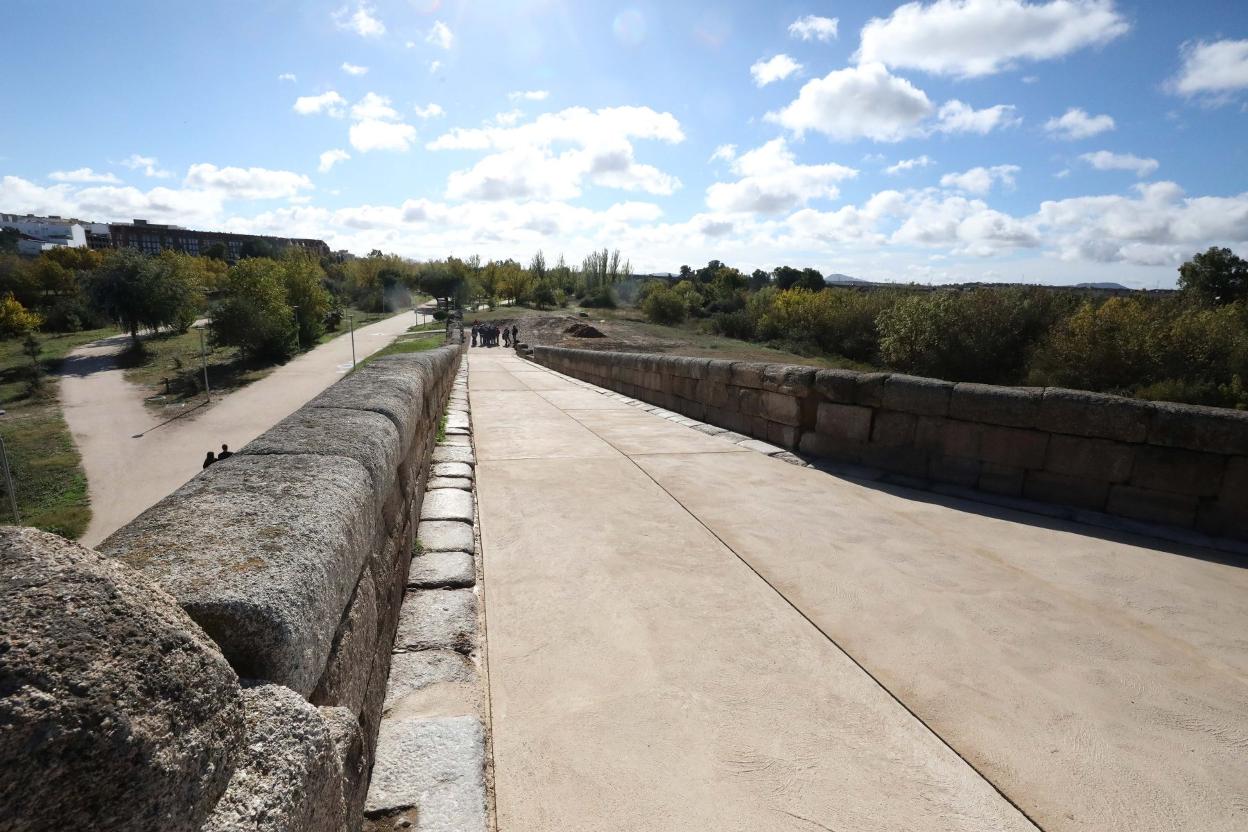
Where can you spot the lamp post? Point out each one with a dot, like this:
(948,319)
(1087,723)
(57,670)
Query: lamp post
(203,357)
(351,324)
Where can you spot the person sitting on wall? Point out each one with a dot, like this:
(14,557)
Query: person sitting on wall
(226,453)
(211,458)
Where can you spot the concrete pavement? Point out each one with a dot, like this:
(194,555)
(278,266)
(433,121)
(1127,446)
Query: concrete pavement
(131,463)
(683,634)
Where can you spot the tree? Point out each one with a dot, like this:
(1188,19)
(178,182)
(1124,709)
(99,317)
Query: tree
(254,316)
(758,280)
(811,280)
(15,319)
(302,276)
(786,277)
(664,306)
(1215,276)
(8,240)
(141,292)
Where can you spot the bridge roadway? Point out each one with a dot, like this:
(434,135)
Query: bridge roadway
(686,635)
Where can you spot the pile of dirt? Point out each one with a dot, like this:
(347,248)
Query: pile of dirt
(580,330)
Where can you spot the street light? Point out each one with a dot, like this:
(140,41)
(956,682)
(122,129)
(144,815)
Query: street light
(203,356)
(351,324)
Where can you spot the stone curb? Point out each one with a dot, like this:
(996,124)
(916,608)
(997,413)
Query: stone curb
(431,769)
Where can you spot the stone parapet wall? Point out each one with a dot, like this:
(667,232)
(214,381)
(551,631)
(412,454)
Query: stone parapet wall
(280,572)
(1178,465)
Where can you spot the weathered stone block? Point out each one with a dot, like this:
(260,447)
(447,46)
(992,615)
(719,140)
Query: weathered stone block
(116,710)
(369,438)
(1080,413)
(783,408)
(452,469)
(1153,506)
(346,672)
(445,536)
(1234,493)
(833,447)
(869,389)
(718,371)
(447,453)
(290,776)
(1013,447)
(1211,429)
(957,470)
(748,374)
(272,590)
(1099,459)
(436,765)
(844,421)
(438,619)
(1011,406)
(891,429)
(1219,520)
(913,394)
(411,673)
(1178,470)
(760,446)
(838,386)
(442,570)
(353,759)
(902,459)
(1048,487)
(449,482)
(789,379)
(447,504)
(786,436)
(1001,479)
(947,437)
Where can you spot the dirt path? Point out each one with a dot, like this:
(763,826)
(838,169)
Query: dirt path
(685,635)
(132,461)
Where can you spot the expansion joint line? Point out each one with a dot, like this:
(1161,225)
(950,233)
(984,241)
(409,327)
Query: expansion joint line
(827,636)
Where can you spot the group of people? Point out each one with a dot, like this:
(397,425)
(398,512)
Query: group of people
(226,453)
(486,335)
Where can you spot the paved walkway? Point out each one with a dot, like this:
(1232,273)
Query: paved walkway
(686,635)
(131,463)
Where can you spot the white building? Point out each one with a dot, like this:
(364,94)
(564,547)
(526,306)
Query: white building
(43,233)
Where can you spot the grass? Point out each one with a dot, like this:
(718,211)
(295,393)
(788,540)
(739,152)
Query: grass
(47,470)
(404,344)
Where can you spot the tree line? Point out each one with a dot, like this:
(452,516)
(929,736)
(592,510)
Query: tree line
(1189,346)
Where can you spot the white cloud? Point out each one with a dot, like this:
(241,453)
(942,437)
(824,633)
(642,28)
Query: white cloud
(330,103)
(330,158)
(440,35)
(772,181)
(246,183)
(1216,68)
(507,119)
(1106,160)
(353,69)
(287,76)
(434,66)
(1075,124)
(362,21)
(525,164)
(430,110)
(812,27)
(635,212)
(83,176)
(112,203)
(979,180)
(964,226)
(909,164)
(373,106)
(970,38)
(957,117)
(856,102)
(529,95)
(148,164)
(1159,226)
(724,153)
(773,69)
(376,134)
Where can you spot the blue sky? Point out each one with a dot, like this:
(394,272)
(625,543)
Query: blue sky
(1050,141)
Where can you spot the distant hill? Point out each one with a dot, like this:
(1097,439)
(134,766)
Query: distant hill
(842,279)
(1102,286)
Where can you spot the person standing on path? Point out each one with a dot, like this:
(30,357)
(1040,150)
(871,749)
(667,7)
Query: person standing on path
(515,336)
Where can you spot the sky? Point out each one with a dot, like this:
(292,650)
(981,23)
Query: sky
(1043,141)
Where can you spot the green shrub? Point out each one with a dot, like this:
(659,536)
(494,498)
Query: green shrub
(736,324)
(599,297)
(664,306)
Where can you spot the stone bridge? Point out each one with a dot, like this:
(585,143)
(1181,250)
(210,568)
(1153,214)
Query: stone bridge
(473,590)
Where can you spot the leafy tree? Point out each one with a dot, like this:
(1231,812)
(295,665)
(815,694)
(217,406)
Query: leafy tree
(758,280)
(260,248)
(664,306)
(302,277)
(8,240)
(141,292)
(217,251)
(811,280)
(15,319)
(33,349)
(1215,276)
(254,315)
(786,277)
